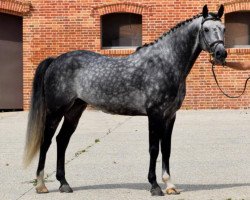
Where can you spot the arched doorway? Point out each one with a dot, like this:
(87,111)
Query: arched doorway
(11,63)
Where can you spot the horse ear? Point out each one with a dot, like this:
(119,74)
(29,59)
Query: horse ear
(205,11)
(220,11)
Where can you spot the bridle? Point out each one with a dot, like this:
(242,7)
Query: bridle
(213,44)
(211,51)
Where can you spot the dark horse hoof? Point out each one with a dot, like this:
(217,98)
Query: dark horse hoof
(65,188)
(156,191)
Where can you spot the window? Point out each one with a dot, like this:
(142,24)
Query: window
(237,29)
(121,30)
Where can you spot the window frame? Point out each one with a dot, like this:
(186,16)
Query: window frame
(119,47)
(237,46)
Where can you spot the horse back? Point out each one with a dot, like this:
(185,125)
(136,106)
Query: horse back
(111,84)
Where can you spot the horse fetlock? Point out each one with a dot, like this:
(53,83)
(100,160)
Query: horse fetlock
(165,177)
(60,176)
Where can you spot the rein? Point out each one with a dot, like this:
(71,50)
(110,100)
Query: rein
(229,96)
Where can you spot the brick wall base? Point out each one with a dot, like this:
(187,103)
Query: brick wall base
(54,27)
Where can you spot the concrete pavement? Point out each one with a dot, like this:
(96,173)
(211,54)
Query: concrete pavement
(107,157)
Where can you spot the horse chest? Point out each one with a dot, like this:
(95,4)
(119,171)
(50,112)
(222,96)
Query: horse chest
(172,101)
(180,97)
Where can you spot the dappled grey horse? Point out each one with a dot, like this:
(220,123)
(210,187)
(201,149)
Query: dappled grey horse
(151,82)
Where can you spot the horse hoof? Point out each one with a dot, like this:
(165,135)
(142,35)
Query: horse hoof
(172,191)
(65,188)
(41,189)
(156,192)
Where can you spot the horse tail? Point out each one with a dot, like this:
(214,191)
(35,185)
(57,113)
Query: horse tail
(37,114)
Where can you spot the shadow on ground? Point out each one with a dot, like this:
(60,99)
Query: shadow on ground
(146,186)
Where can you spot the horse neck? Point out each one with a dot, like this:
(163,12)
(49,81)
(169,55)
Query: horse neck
(179,48)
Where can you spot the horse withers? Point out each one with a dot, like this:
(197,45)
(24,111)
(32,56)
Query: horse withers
(150,82)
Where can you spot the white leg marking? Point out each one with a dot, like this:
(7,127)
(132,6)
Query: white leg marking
(167,180)
(40,187)
(40,177)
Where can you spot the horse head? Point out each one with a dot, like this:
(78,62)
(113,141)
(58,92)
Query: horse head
(211,36)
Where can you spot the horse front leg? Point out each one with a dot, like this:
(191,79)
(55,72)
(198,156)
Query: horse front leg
(154,139)
(166,151)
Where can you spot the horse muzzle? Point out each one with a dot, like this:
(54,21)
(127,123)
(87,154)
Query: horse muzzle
(219,54)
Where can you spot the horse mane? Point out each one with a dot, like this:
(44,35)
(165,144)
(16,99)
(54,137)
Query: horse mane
(172,30)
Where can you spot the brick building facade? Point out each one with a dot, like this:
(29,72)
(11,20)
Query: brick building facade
(52,27)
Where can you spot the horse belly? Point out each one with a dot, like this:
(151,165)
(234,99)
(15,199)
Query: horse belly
(111,89)
(120,110)
(132,103)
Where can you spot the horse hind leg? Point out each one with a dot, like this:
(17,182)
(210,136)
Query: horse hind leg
(52,121)
(71,119)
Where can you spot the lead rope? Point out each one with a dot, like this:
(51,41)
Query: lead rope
(215,78)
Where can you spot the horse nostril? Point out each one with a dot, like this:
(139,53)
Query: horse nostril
(221,54)
(218,54)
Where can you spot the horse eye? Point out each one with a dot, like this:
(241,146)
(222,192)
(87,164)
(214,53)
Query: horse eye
(206,29)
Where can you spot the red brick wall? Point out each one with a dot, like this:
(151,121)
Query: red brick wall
(51,27)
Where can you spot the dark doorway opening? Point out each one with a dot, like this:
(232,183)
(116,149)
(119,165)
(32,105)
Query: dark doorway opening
(11,62)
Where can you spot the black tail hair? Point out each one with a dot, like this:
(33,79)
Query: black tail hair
(37,114)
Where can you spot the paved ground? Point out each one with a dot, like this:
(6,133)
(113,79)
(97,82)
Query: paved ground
(210,157)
